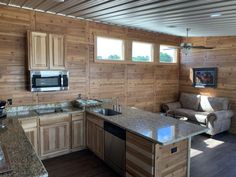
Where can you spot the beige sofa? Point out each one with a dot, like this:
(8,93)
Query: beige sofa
(212,112)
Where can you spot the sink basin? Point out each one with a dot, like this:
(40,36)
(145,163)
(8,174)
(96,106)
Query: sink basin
(107,112)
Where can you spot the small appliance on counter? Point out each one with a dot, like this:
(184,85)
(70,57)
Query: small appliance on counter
(3,113)
(83,103)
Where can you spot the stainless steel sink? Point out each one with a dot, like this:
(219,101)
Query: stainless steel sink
(107,112)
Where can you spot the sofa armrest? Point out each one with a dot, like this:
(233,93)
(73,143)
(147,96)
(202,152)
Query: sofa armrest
(170,106)
(220,115)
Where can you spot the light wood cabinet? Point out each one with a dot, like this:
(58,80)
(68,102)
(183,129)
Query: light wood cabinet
(38,50)
(78,132)
(56,51)
(54,135)
(95,135)
(46,51)
(31,130)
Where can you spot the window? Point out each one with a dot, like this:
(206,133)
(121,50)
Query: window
(110,49)
(168,54)
(142,52)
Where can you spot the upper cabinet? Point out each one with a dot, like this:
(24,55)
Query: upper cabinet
(46,51)
(37,46)
(56,51)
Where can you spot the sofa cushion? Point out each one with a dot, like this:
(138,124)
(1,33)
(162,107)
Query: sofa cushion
(192,115)
(190,101)
(211,104)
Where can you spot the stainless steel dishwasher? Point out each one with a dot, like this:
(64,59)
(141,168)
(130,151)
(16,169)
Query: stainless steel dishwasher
(114,154)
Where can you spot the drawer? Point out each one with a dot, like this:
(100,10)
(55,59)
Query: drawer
(53,119)
(28,123)
(77,117)
(96,120)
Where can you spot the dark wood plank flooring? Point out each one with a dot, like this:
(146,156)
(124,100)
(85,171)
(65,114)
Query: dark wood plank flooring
(211,157)
(78,164)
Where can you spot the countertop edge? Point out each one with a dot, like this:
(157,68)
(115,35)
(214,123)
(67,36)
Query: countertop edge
(148,138)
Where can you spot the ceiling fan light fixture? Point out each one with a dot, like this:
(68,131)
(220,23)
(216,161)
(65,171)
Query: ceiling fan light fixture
(186,51)
(186,47)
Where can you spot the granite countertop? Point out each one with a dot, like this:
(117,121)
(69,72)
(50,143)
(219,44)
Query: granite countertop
(153,126)
(29,114)
(23,158)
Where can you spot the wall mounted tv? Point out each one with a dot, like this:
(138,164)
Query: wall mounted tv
(205,77)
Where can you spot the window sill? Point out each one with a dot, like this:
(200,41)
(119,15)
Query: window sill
(132,62)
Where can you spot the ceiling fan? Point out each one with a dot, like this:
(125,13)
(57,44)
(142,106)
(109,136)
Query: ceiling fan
(187,45)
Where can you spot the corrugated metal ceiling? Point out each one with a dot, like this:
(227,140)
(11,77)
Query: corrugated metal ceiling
(166,16)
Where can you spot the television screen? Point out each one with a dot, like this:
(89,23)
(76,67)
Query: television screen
(204,77)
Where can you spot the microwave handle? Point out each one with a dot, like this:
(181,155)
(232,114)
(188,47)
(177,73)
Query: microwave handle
(62,80)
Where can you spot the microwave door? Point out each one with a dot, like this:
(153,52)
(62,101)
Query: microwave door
(44,81)
(49,83)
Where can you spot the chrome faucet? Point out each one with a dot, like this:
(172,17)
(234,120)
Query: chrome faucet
(117,107)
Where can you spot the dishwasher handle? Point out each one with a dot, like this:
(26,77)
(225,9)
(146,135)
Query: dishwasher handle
(115,130)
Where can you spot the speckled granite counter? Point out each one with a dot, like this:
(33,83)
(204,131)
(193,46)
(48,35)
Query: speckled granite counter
(24,160)
(155,127)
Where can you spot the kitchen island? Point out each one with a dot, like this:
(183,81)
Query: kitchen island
(23,158)
(156,145)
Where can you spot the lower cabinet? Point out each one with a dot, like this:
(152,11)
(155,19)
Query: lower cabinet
(95,135)
(78,132)
(31,130)
(54,135)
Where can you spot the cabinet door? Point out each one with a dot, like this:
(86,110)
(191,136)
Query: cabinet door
(78,134)
(32,134)
(30,127)
(38,43)
(56,51)
(55,138)
(89,134)
(95,138)
(99,142)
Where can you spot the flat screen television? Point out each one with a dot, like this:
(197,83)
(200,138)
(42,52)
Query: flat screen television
(205,77)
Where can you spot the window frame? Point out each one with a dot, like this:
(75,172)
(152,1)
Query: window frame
(176,55)
(152,52)
(108,60)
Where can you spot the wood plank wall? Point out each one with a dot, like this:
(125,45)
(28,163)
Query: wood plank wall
(223,57)
(141,85)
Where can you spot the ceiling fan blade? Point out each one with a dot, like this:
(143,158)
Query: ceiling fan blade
(202,47)
(171,48)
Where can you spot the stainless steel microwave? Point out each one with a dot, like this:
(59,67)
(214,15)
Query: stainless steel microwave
(46,81)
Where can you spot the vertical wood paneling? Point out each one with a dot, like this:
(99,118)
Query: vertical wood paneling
(223,57)
(141,86)
(138,85)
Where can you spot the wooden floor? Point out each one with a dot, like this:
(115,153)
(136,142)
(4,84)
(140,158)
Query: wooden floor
(78,164)
(214,157)
(210,158)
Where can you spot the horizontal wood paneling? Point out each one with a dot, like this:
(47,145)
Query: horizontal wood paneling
(142,85)
(223,57)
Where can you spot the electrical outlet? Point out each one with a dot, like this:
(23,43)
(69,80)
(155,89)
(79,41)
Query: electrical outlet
(9,100)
